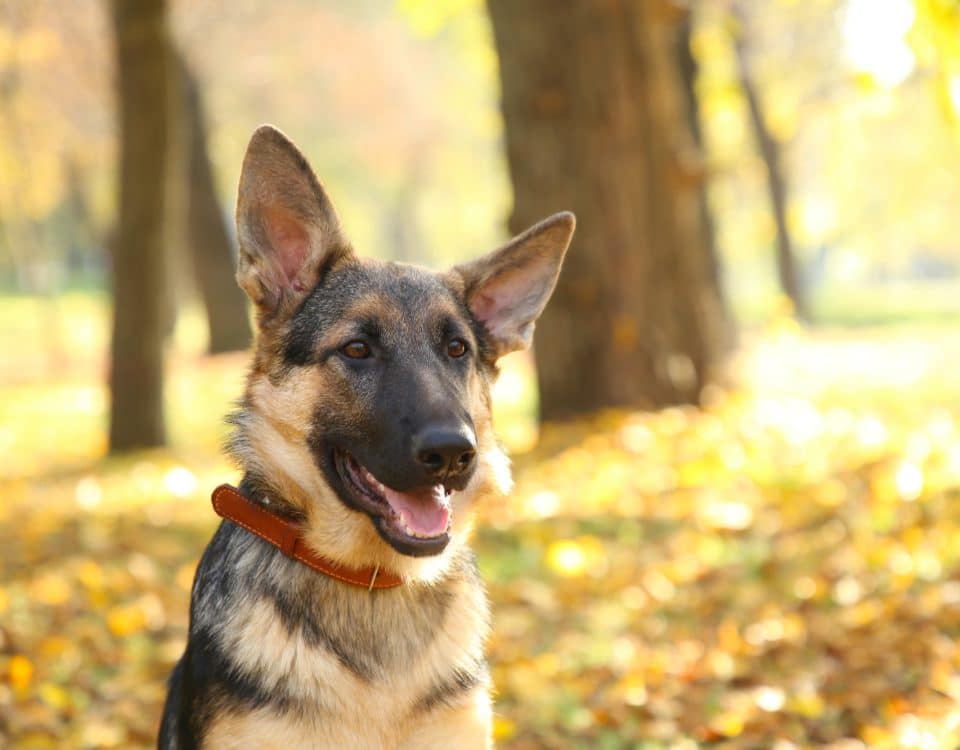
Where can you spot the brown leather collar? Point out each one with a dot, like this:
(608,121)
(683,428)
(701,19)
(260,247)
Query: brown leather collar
(285,536)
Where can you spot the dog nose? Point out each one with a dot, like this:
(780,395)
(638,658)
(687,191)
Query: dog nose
(445,451)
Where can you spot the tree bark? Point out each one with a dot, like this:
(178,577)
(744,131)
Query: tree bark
(787,274)
(209,244)
(596,123)
(138,272)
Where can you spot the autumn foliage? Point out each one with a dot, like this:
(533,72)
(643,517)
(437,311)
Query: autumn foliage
(776,570)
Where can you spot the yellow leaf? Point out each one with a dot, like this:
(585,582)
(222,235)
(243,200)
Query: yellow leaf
(633,689)
(54,695)
(875,736)
(90,574)
(503,728)
(123,621)
(727,724)
(51,589)
(54,645)
(808,704)
(20,670)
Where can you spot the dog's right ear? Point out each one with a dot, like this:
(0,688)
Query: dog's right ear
(287,227)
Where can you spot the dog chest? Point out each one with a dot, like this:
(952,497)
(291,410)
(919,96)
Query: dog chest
(343,663)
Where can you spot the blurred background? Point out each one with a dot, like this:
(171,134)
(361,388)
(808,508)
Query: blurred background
(736,444)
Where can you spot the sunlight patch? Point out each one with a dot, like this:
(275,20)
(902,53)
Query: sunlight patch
(88,493)
(909,481)
(180,481)
(874,33)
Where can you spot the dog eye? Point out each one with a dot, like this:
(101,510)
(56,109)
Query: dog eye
(356,349)
(456,347)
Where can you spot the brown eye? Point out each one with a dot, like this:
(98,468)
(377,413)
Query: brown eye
(356,349)
(456,348)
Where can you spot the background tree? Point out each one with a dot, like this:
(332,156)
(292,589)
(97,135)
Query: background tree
(142,53)
(689,70)
(596,122)
(791,283)
(208,241)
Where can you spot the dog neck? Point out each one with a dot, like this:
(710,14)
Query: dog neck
(233,505)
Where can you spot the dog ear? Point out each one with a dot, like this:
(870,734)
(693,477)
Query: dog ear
(287,228)
(507,290)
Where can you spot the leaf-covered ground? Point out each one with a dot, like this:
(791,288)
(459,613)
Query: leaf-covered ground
(779,570)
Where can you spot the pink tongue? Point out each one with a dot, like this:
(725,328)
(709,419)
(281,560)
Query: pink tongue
(425,513)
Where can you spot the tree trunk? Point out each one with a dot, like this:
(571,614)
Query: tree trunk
(136,373)
(596,123)
(688,70)
(209,243)
(790,283)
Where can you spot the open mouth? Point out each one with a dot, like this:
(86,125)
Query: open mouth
(416,522)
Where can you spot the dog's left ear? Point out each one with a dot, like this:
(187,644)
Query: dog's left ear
(287,227)
(507,290)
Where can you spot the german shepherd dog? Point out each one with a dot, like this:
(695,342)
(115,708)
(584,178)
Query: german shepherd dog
(366,422)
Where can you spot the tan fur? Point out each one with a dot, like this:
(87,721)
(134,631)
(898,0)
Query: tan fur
(463,727)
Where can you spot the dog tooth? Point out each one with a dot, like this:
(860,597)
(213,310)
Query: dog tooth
(408,531)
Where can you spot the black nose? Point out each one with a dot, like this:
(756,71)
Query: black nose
(445,452)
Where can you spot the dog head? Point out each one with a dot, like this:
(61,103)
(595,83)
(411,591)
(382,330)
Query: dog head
(368,404)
